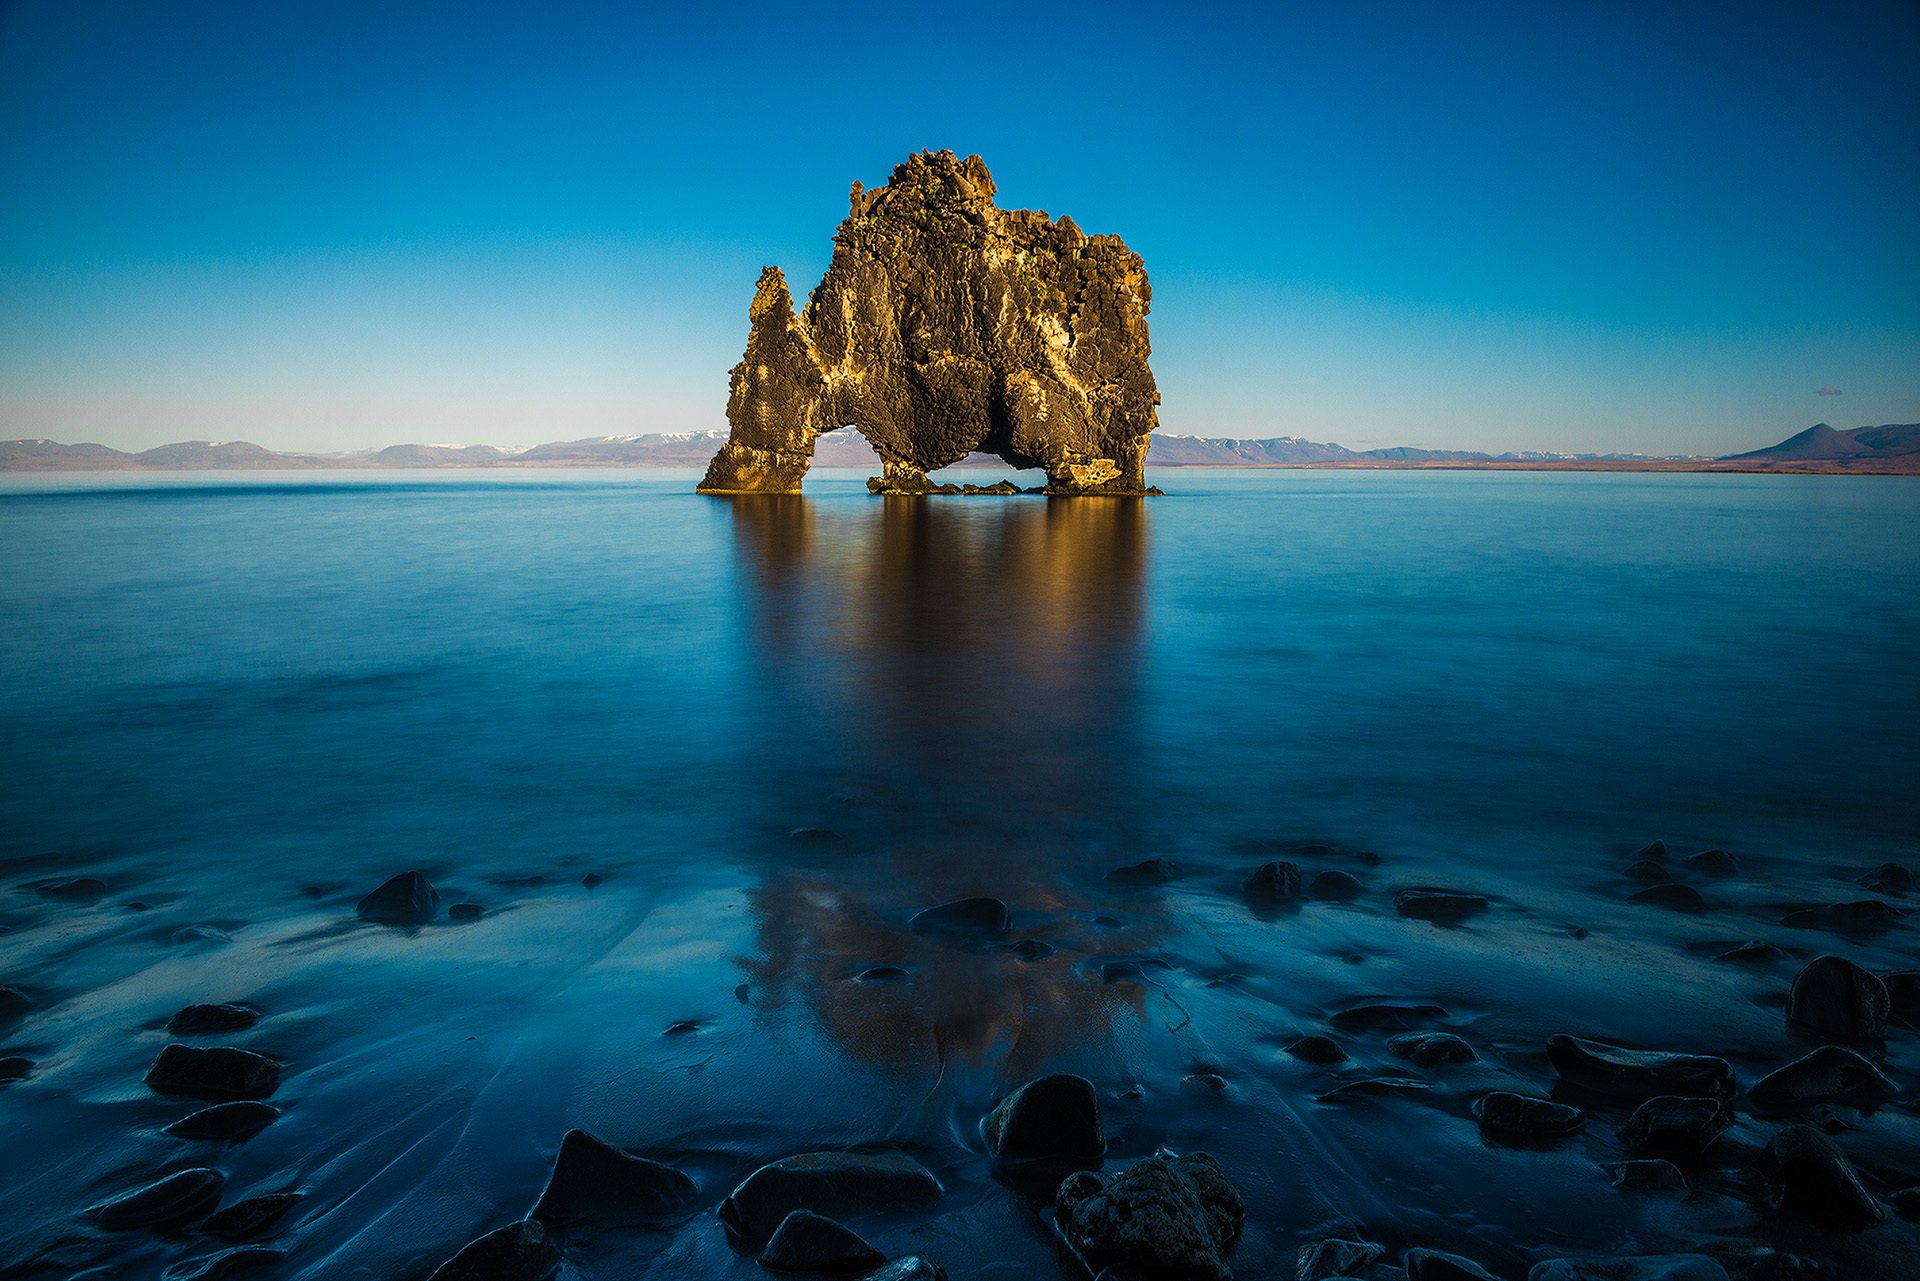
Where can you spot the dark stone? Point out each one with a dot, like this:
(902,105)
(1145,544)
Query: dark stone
(227,1263)
(1674,1125)
(1272,884)
(1903,995)
(14,1004)
(594,1180)
(593,880)
(946,326)
(1834,998)
(1373,1087)
(1635,1075)
(1805,1176)
(213,1018)
(809,1242)
(1864,916)
(830,1183)
(1436,1265)
(466,912)
(1888,878)
(1906,1204)
(250,1220)
(883,974)
(227,1122)
(1830,1074)
(1647,870)
(685,1027)
(219,1072)
(1441,907)
(1031,950)
(910,1268)
(1335,887)
(1520,1121)
(1166,1217)
(518,1252)
(1155,871)
(1646,1267)
(1204,1083)
(1388,1014)
(14,1068)
(179,1198)
(78,888)
(1714,863)
(965,916)
(407,899)
(1317,1049)
(1055,1116)
(1652,852)
(1430,1049)
(1335,1257)
(1646,1176)
(1754,954)
(1673,897)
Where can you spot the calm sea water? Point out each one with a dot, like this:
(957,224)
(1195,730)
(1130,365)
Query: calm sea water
(243,702)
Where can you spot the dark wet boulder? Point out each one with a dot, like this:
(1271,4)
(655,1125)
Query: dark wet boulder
(14,1004)
(1440,907)
(1646,1175)
(407,899)
(1647,870)
(1636,1075)
(1317,1049)
(1675,1125)
(1888,878)
(1834,998)
(518,1252)
(251,1219)
(217,1072)
(1430,1049)
(77,889)
(809,1242)
(1335,1257)
(596,1181)
(225,1122)
(1645,1267)
(1805,1176)
(963,917)
(1271,885)
(15,1068)
(1399,1015)
(1335,887)
(181,1197)
(225,1017)
(1166,1217)
(240,1261)
(830,1183)
(1055,1116)
(1754,953)
(1672,896)
(1714,863)
(1520,1120)
(1861,917)
(1437,1265)
(1830,1074)
(1154,871)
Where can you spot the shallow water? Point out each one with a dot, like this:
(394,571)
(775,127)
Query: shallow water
(242,703)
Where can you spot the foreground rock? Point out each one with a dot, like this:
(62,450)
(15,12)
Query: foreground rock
(1053,1117)
(1675,1126)
(407,899)
(1637,1075)
(1430,1049)
(596,1181)
(218,1072)
(945,326)
(1807,1177)
(962,917)
(1518,1120)
(179,1198)
(828,1183)
(1163,1217)
(227,1122)
(809,1242)
(1831,1074)
(518,1252)
(1834,998)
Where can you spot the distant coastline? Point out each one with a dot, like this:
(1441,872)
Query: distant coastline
(1892,449)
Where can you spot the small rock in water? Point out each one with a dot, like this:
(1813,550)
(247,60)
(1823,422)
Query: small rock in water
(1807,1177)
(594,1180)
(1335,887)
(227,1263)
(1204,1083)
(809,1242)
(1636,1075)
(1335,1257)
(466,912)
(1317,1049)
(226,1122)
(215,1073)
(1521,1121)
(227,1017)
(1674,1125)
(1754,953)
(1714,863)
(1647,870)
(407,899)
(1164,1216)
(1652,852)
(1054,1116)
(1155,871)
(831,1183)
(1830,1074)
(14,1068)
(593,880)
(1437,1265)
(1390,1014)
(518,1252)
(14,1004)
(78,888)
(1646,1267)
(965,916)
(1430,1049)
(1837,999)
(1271,885)
(250,1220)
(179,1198)
(1865,916)
(1373,1087)
(1031,950)
(1888,878)
(1652,1175)
(1671,896)
(883,974)
(1440,907)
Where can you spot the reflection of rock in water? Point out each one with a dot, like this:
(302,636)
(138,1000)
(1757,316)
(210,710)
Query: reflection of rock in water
(961,684)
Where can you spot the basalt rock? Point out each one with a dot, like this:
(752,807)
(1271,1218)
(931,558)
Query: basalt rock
(1804,1175)
(1055,1116)
(1831,1074)
(1165,1217)
(828,1183)
(1836,999)
(1637,1075)
(809,1242)
(220,1073)
(181,1197)
(594,1180)
(229,1122)
(946,326)
(518,1252)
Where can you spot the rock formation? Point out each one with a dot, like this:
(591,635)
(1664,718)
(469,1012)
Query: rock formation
(945,326)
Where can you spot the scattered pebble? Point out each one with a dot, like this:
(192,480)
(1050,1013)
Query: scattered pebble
(1054,1116)
(1636,1075)
(809,1242)
(1830,1074)
(596,1181)
(593,880)
(1204,1082)
(964,917)
(1373,1087)
(1271,885)
(466,912)
(1387,1014)
(407,899)
(1754,953)
(220,1073)
(180,1198)
(1522,1121)
(1671,896)
(1317,1049)
(1837,999)
(1652,852)
(1714,863)
(1031,950)
(213,1018)
(1161,1216)
(225,1122)
(1430,1049)
(831,1183)
(1864,916)
(1675,1126)
(1335,887)
(1646,1176)
(1439,907)
(1154,871)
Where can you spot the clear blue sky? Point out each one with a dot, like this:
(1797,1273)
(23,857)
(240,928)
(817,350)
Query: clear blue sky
(1573,226)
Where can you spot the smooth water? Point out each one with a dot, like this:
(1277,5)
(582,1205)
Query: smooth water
(243,703)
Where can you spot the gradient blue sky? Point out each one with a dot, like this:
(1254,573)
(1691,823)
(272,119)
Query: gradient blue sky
(1649,227)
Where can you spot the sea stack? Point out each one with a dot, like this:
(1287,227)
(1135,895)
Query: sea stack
(946,326)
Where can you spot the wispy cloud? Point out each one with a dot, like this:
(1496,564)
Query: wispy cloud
(1828,390)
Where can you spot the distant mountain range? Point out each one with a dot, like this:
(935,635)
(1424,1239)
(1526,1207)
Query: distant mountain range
(1891,448)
